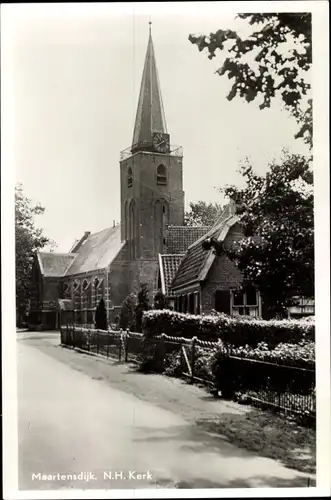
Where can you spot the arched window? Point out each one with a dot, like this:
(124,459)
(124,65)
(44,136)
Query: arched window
(129,177)
(161,175)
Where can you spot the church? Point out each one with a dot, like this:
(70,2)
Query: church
(151,245)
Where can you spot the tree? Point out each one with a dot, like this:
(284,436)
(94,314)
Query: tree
(262,67)
(127,317)
(142,305)
(160,301)
(101,322)
(28,239)
(276,254)
(202,214)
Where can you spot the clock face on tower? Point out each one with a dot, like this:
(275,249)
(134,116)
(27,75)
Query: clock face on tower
(161,142)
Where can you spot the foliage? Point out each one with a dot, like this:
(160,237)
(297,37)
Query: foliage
(127,317)
(242,373)
(261,66)
(301,354)
(172,364)
(142,305)
(276,255)
(28,239)
(160,300)
(234,331)
(101,322)
(202,214)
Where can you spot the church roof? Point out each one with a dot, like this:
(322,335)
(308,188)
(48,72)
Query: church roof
(150,113)
(168,266)
(197,261)
(179,238)
(54,264)
(97,251)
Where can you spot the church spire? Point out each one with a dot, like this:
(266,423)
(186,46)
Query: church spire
(150,116)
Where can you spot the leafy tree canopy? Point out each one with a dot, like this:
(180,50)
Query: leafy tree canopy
(274,59)
(28,239)
(276,254)
(202,214)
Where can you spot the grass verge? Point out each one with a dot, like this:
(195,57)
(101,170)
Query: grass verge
(269,435)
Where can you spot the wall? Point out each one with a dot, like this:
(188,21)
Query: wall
(223,274)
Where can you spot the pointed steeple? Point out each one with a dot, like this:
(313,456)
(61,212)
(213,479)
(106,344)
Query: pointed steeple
(150,116)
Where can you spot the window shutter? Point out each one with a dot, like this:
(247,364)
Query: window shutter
(222,301)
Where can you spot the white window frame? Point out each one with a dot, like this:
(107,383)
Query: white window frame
(257,307)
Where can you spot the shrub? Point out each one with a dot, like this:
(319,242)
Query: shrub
(101,322)
(236,331)
(142,306)
(173,365)
(160,301)
(127,317)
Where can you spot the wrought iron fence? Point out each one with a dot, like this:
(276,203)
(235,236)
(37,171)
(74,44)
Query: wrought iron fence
(277,386)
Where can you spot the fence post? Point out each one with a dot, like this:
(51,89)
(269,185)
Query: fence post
(120,346)
(126,345)
(108,340)
(193,347)
(97,341)
(163,349)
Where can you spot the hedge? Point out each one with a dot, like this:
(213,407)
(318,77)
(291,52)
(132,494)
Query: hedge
(238,331)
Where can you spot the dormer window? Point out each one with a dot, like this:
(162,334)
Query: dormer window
(161,175)
(129,177)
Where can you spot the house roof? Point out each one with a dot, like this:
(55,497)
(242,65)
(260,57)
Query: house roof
(97,251)
(197,261)
(168,266)
(54,264)
(179,238)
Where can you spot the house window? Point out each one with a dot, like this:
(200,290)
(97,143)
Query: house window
(161,175)
(245,303)
(129,177)
(75,286)
(191,303)
(196,303)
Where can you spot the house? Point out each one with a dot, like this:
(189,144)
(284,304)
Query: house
(203,281)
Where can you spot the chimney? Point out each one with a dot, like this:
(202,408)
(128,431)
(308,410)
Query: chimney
(79,243)
(114,223)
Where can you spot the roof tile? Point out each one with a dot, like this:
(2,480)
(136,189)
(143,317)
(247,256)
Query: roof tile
(179,238)
(170,264)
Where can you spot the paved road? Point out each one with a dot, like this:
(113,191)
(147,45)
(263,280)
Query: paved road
(71,423)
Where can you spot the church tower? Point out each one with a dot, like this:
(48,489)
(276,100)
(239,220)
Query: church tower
(151,170)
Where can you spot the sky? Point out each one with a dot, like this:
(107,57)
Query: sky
(75,73)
